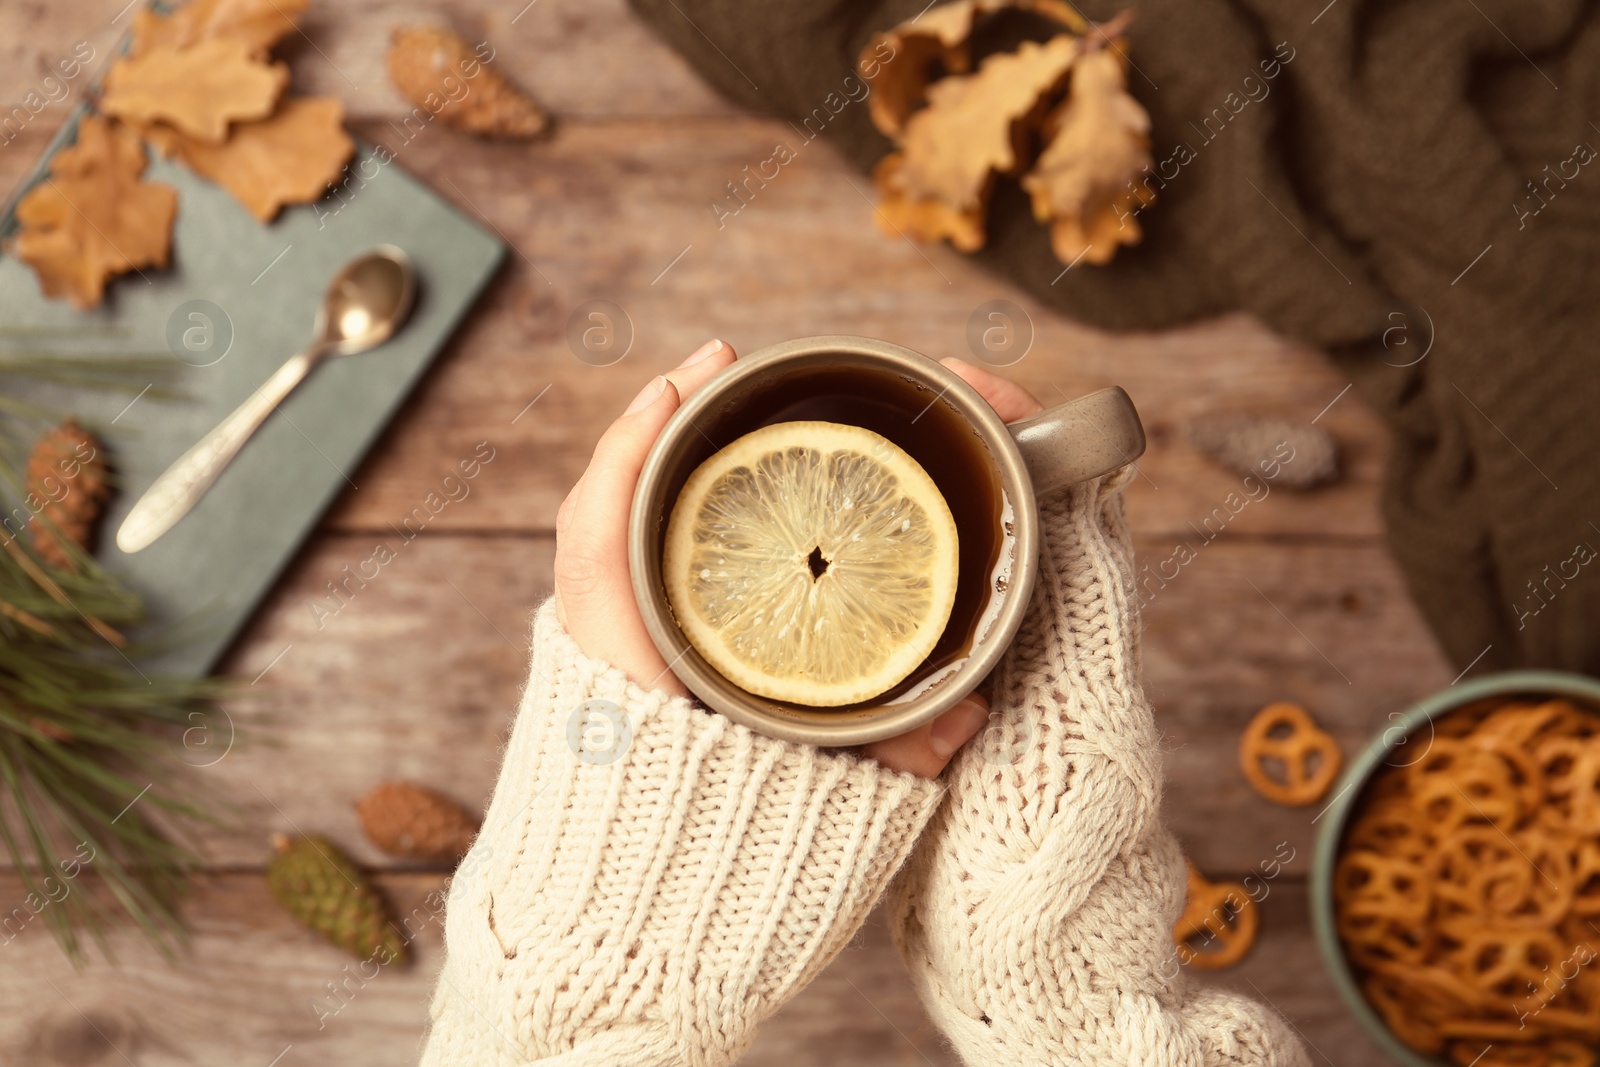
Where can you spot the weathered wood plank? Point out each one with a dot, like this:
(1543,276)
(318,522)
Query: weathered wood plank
(244,992)
(253,986)
(1328,626)
(583,59)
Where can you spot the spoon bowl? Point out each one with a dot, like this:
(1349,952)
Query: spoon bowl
(366,301)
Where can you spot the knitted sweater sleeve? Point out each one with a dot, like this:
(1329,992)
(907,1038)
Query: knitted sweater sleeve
(653,880)
(1036,914)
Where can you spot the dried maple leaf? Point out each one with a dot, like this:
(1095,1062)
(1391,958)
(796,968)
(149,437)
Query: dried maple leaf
(258,24)
(289,158)
(94,216)
(430,66)
(972,129)
(197,89)
(1084,182)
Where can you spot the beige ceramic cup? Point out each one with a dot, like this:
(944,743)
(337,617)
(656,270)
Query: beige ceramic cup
(1075,441)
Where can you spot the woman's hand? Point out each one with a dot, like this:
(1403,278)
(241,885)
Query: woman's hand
(594,592)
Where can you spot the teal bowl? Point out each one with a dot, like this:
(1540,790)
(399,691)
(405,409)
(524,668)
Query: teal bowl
(1394,746)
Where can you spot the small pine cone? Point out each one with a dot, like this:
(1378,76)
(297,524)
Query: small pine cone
(409,820)
(429,65)
(1293,454)
(66,482)
(328,894)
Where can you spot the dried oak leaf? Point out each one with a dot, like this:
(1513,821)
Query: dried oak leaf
(289,158)
(974,127)
(901,62)
(922,218)
(430,65)
(94,216)
(1084,183)
(67,475)
(197,90)
(258,24)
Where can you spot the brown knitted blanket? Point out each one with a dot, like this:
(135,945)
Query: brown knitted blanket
(1420,172)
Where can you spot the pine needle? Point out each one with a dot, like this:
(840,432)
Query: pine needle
(93,794)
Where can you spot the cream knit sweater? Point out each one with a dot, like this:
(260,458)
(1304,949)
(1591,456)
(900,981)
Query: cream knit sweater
(646,894)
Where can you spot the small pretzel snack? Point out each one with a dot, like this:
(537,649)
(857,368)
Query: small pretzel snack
(1218,924)
(1284,737)
(1467,883)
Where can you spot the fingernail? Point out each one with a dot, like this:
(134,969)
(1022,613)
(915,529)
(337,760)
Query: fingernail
(705,351)
(953,729)
(648,395)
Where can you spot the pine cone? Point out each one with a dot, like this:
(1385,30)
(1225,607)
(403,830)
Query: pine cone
(66,481)
(1250,444)
(426,61)
(330,896)
(406,819)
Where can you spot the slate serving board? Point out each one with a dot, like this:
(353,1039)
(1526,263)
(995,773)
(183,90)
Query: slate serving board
(263,285)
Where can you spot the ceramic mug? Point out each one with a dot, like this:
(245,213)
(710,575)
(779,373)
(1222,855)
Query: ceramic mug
(988,471)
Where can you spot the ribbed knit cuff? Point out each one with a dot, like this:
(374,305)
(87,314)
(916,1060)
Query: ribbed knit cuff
(652,880)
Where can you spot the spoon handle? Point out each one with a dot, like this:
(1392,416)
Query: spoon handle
(181,485)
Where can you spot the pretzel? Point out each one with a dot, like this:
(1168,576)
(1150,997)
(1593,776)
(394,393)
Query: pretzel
(1308,756)
(1382,886)
(1467,886)
(1507,963)
(1519,879)
(1220,912)
(1456,782)
(1391,827)
(1571,767)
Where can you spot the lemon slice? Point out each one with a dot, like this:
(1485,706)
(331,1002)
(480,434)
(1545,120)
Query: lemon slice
(811,562)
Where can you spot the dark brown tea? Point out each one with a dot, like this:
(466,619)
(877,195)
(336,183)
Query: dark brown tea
(933,431)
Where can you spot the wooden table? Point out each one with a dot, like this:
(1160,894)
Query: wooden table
(418,675)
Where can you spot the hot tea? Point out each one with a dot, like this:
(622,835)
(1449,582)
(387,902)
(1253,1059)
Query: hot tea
(918,420)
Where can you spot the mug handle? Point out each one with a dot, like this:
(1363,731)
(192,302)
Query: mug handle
(1079,440)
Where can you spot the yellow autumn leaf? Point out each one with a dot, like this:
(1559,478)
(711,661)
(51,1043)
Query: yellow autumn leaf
(973,128)
(1085,181)
(290,157)
(94,216)
(197,90)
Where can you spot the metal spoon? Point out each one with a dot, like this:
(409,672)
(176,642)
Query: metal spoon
(365,303)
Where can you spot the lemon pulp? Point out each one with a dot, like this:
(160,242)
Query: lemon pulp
(812,562)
